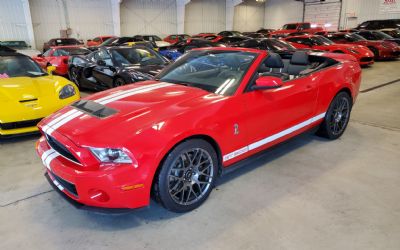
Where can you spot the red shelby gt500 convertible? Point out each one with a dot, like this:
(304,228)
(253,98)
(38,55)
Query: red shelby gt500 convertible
(173,136)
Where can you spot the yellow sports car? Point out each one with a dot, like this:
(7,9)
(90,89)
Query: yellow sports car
(28,94)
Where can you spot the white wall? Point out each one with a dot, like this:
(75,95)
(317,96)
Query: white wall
(148,17)
(364,10)
(280,12)
(249,16)
(13,25)
(205,16)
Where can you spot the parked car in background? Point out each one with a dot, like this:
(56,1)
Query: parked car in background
(156,40)
(379,24)
(395,33)
(230,33)
(21,47)
(58,56)
(270,44)
(28,93)
(253,35)
(296,27)
(208,36)
(174,136)
(231,40)
(97,40)
(193,43)
(377,35)
(110,67)
(381,49)
(60,42)
(265,31)
(176,38)
(363,55)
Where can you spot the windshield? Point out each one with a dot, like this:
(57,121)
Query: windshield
(320,40)
(382,35)
(392,33)
(136,56)
(218,72)
(13,66)
(236,33)
(69,41)
(152,38)
(354,37)
(278,45)
(72,51)
(15,44)
(109,41)
(289,27)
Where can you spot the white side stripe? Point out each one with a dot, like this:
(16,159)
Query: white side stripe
(271,138)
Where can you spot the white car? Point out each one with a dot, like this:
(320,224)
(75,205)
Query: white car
(21,47)
(159,42)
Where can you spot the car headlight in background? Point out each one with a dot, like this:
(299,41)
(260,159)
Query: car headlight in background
(353,51)
(111,155)
(67,91)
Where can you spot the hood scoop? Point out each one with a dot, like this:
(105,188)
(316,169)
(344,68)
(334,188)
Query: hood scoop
(94,109)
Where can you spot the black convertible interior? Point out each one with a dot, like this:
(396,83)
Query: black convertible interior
(294,65)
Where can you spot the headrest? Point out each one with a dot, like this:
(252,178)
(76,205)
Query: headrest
(274,61)
(299,58)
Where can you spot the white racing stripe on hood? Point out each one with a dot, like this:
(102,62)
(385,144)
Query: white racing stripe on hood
(72,114)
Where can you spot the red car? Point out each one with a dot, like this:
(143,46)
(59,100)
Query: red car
(176,38)
(200,118)
(97,40)
(58,56)
(296,27)
(208,36)
(381,49)
(362,53)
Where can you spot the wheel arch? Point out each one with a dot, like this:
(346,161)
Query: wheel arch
(348,91)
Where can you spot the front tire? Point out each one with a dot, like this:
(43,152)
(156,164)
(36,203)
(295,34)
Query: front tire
(73,75)
(187,176)
(337,117)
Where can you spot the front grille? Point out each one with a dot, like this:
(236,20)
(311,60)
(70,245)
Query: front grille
(396,53)
(367,59)
(21,124)
(70,187)
(61,149)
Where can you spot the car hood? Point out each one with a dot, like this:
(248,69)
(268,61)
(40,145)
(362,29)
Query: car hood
(26,88)
(162,44)
(131,109)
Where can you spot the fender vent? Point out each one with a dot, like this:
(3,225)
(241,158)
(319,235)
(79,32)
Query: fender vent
(94,109)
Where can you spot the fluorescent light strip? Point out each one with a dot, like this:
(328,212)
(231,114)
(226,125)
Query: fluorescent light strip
(271,138)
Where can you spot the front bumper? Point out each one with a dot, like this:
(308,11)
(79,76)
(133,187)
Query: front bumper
(364,61)
(108,187)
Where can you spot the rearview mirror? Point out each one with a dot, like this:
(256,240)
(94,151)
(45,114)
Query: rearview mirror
(267,82)
(101,63)
(51,69)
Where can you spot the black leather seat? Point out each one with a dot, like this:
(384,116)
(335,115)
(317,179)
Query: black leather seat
(298,63)
(273,66)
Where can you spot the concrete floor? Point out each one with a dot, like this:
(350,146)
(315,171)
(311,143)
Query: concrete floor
(306,194)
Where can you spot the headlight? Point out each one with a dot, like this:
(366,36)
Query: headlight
(111,155)
(67,91)
(353,51)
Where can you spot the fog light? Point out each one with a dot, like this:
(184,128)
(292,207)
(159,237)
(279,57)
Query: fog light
(98,195)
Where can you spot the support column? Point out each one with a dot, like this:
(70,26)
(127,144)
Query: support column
(230,11)
(28,21)
(180,15)
(116,16)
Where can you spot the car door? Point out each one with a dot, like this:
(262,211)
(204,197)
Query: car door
(275,114)
(104,73)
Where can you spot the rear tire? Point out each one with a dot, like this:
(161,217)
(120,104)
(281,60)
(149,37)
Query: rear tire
(337,117)
(187,176)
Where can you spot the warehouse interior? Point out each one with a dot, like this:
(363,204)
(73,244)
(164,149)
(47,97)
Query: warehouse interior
(307,192)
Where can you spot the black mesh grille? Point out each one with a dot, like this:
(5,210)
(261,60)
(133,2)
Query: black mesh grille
(66,184)
(367,59)
(21,124)
(61,149)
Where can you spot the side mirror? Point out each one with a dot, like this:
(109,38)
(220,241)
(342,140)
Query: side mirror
(101,63)
(267,82)
(51,69)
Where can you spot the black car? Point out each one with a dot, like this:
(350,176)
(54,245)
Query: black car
(233,40)
(254,35)
(61,42)
(265,31)
(125,40)
(193,43)
(379,24)
(270,44)
(230,33)
(377,35)
(110,67)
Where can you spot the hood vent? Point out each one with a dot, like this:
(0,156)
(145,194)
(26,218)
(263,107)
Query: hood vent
(94,109)
(28,100)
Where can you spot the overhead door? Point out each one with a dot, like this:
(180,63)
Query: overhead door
(325,13)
